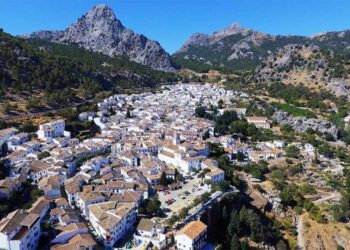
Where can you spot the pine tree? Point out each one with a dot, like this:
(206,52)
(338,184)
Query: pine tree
(235,244)
(163,180)
(233,226)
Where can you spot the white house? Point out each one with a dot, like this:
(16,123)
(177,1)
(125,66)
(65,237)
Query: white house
(84,199)
(309,148)
(52,129)
(189,164)
(258,121)
(215,176)
(5,134)
(193,236)
(86,116)
(149,231)
(20,230)
(111,220)
(16,140)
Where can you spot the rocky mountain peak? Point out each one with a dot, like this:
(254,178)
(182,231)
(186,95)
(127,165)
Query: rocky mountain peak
(99,30)
(232,29)
(247,36)
(102,13)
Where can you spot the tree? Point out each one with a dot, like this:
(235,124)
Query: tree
(306,188)
(6,107)
(233,225)
(220,104)
(128,114)
(235,243)
(203,173)
(173,219)
(152,206)
(200,112)
(240,156)
(178,176)
(28,127)
(222,186)
(183,212)
(163,180)
(239,127)
(326,150)
(207,182)
(206,135)
(286,197)
(43,155)
(292,151)
(36,193)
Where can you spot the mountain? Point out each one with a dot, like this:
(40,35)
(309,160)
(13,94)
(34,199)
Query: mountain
(318,69)
(247,35)
(100,31)
(237,48)
(55,74)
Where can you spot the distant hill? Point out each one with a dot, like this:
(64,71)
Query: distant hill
(239,48)
(309,65)
(99,30)
(64,74)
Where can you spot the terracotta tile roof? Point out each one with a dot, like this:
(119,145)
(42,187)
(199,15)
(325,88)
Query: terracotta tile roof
(39,206)
(193,229)
(61,202)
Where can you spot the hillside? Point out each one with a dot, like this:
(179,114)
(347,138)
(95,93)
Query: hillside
(238,48)
(321,69)
(57,75)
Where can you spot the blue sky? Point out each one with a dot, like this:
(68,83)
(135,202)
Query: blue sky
(171,22)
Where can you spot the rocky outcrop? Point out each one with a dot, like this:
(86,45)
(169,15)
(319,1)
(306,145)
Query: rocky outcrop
(99,30)
(248,35)
(301,124)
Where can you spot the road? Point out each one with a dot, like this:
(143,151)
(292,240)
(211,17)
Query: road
(31,115)
(326,198)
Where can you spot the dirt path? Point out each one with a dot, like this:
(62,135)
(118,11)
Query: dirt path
(300,231)
(36,114)
(327,197)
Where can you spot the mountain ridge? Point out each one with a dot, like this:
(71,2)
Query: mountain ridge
(236,47)
(99,30)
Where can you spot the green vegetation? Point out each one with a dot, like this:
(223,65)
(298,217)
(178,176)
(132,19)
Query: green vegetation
(291,94)
(223,122)
(295,111)
(326,150)
(216,56)
(66,73)
(292,151)
(150,207)
(341,211)
(239,223)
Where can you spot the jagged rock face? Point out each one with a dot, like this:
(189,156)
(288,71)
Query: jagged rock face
(99,30)
(301,124)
